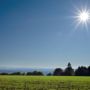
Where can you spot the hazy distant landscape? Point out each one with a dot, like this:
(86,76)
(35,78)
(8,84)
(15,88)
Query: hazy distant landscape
(11,70)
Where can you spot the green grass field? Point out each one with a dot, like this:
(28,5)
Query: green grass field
(44,83)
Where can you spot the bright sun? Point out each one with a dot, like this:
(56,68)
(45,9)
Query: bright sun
(82,17)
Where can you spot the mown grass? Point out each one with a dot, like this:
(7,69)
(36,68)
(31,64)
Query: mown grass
(44,83)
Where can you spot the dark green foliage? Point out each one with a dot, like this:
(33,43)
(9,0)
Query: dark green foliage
(69,71)
(82,71)
(29,73)
(38,73)
(58,72)
(49,74)
(16,73)
(88,70)
(3,73)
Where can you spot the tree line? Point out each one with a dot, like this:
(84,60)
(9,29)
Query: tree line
(37,73)
(68,71)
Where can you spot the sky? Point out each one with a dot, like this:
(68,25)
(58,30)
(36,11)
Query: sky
(42,34)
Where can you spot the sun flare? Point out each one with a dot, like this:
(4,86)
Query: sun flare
(82,17)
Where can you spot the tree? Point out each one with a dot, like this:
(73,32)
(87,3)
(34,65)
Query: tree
(29,73)
(81,71)
(69,71)
(57,72)
(88,70)
(16,73)
(49,74)
(35,73)
(3,73)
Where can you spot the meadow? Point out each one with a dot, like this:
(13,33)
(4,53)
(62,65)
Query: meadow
(44,82)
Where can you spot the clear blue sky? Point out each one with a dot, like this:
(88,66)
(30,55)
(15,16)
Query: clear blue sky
(40,33)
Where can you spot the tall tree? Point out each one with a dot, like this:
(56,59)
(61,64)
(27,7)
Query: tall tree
(69,71)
